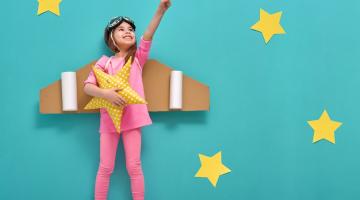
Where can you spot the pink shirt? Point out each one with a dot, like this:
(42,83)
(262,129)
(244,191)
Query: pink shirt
(135,115)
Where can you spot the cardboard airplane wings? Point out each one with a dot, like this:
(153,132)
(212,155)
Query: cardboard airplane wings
(156,79)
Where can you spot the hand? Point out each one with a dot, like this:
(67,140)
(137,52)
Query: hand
(113,96)
(165,4)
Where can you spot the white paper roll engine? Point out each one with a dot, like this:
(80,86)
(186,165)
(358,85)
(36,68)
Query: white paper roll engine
(69,91)
(176,80)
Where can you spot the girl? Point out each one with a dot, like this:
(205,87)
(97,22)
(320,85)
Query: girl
(120,38)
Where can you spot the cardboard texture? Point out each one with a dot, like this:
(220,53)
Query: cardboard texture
(156,79)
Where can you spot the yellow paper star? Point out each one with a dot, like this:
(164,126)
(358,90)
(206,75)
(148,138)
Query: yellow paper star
(49,5)
(121,81)
(324,128)
(268,25)
(212,168)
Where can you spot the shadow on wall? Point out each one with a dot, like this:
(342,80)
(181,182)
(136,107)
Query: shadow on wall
(173,119)
(64,122)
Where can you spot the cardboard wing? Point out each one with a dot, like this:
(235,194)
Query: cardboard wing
(156,79)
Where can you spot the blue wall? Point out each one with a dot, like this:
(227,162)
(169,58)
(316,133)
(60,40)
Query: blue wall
(261,99)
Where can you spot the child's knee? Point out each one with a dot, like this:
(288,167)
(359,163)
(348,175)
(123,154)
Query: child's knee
(105,169)
(134,168)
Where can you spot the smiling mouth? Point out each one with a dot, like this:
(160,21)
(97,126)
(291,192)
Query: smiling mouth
(127,37)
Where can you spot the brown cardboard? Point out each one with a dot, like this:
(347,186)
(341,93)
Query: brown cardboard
(156,79)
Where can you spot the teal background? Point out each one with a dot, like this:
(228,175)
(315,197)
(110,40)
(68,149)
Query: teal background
(261,99)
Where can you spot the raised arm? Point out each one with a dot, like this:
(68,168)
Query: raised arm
(155,21)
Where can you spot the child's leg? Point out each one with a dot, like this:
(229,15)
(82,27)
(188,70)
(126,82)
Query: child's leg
(108,147)
(132,147)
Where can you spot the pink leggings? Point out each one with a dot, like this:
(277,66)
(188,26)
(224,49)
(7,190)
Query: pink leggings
(132,148)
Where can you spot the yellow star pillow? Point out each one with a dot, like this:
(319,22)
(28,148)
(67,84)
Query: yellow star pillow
(120,81)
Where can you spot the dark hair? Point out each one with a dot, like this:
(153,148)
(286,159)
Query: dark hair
(109,29)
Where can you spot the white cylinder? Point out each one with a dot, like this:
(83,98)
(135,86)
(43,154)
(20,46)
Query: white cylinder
(69,91)
(176,93)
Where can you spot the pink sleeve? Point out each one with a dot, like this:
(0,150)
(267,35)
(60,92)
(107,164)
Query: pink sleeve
(142,52)
(100,64)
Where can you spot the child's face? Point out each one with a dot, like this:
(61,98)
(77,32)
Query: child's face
(124,35)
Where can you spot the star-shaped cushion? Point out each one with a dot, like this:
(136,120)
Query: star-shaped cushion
(119,81)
